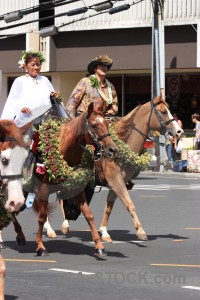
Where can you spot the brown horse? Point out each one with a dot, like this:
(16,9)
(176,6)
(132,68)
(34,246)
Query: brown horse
(133,129)
(88,128)
(11,146)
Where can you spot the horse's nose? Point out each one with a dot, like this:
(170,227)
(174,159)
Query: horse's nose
(113,151)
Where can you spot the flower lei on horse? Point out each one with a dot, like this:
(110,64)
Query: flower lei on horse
(58,169)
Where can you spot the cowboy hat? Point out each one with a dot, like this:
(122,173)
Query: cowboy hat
(99,60)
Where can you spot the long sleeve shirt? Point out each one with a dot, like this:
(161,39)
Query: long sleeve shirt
(84,93)
(26,92)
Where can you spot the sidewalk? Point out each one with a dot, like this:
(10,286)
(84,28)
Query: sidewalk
(171,173)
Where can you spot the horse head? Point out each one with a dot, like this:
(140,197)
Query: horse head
(161,118)
(98,134)
(12,157)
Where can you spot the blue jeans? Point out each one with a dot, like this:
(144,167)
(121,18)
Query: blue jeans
(171,153)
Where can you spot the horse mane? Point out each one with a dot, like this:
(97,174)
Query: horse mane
(161,100)
(9,129)
(123,128)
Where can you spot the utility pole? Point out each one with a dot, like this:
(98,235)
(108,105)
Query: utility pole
(158,63)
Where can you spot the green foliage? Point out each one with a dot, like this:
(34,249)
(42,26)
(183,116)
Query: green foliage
(126,158)
(59,172)
(5,215)
(32,52)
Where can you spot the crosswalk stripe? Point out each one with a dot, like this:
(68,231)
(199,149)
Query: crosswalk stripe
(71,271)
(191,287)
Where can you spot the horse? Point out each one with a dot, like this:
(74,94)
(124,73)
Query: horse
(88,128)
(133,129)
(11,147)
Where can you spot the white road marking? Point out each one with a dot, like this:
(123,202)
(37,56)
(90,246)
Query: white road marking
(191,287)
(121,242)
(161,187)
(71,271)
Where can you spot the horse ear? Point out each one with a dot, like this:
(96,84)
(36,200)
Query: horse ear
(90,109)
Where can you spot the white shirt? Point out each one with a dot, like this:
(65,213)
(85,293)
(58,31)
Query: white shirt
(26,92)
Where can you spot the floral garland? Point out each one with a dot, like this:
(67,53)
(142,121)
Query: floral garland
(70,177)
(126,157)
(104,59)
(5,215)
(95,83)
(21,62)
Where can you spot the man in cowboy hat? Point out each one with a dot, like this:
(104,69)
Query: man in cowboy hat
(94,88)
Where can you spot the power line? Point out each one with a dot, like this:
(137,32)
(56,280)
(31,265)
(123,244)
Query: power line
(78,11)
(43,6)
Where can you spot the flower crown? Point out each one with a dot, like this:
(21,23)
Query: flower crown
(21,62)
(104,59)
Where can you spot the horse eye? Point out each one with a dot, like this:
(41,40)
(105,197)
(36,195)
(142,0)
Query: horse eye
(4,161)
(94,126)
(164,112)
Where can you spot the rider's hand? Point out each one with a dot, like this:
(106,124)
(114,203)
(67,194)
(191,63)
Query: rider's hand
(110,112)
(54,94)
(26,110)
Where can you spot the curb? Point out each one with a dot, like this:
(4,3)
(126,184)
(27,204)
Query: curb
(171,174)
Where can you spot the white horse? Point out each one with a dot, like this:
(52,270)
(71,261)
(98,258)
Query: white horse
(12,158)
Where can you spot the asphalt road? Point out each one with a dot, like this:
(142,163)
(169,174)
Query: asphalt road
(166,267)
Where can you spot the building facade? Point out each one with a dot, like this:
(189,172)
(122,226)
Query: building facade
(125,36)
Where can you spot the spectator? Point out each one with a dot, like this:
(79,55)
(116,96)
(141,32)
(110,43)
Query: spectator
(196,121)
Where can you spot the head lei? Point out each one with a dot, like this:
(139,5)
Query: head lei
(101,59)
(31,52)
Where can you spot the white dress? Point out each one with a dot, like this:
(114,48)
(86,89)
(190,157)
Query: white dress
(26,92)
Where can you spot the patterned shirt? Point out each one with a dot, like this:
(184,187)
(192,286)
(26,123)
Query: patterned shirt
(84,93)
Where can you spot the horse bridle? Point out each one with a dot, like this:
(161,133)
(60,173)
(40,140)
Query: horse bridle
(162,123)
(9,177)
(98,153)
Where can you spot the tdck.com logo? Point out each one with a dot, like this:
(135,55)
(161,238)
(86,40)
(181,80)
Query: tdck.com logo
(143,278)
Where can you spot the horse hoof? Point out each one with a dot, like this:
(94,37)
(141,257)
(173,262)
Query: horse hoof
(51,234)
(21,242)
(100,252)
(64,230)
(2,245)
(106,239)
(142,237)
(42,252)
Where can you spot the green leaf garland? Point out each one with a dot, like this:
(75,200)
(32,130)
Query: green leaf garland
(127,158)
(59,172)
(5,215)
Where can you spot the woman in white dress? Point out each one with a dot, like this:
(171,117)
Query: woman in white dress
(28,92)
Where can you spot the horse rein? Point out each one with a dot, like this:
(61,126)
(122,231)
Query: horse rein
(162,123)
(98,153)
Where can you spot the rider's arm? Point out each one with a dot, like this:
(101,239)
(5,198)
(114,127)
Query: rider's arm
(76,98)
(113,108)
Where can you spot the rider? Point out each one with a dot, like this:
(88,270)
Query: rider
(94,88)
(29,91)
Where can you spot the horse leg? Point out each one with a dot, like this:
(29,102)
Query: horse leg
(107,211)
(85,209)
(2,277)
(121,191)
(65,224)
(2,246)
(41,207)
(50,232)
(20,238)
